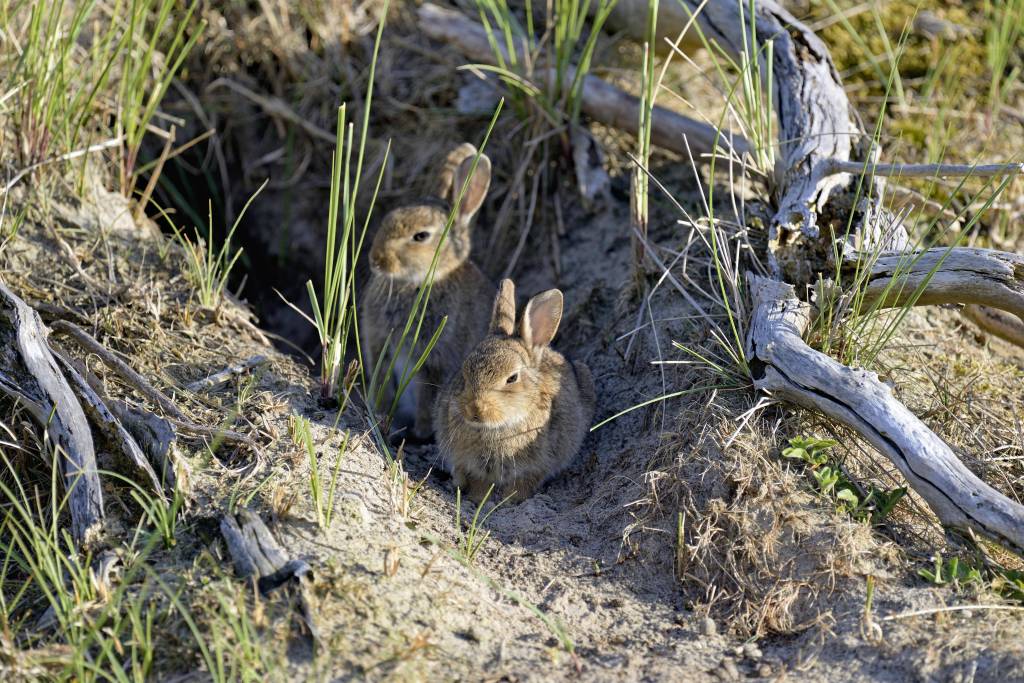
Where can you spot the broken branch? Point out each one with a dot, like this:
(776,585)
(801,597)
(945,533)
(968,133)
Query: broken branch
(834,166)
(29,375)
(795,372)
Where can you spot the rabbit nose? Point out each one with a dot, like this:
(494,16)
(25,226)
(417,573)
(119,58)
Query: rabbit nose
(471,411)
(381,262)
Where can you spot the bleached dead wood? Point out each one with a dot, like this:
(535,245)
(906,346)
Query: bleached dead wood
(219,379)
(600,100)
(795,372)
(941,276)
(995,322)
(29,375)
(257,555)
(821,142)
(104,420)
(815,120)
(158,439)
(137,381)
(923,170)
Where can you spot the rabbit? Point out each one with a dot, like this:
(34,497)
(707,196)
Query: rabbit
(517,412)
(400,259)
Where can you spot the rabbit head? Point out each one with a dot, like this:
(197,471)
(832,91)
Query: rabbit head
(504,381)
(404,245)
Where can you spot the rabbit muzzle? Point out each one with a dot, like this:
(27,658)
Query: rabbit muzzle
(479,412)
(384,263)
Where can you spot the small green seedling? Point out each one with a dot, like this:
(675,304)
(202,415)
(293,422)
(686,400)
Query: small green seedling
(951,571)
(811,450)
(832,482)
(1009,583)
(475,536)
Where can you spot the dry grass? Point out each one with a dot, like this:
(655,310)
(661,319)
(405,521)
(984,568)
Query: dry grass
(760,551)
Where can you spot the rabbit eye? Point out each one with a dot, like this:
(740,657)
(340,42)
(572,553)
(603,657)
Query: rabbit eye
(513,378)
(421,236)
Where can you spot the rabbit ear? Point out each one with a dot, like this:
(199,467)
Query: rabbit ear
(541,318)
(476,190)
(446,177)
(503,315)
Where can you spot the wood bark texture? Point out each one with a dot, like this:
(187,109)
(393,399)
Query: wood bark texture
(794,372)
(257,555)
(109,425)
(996,322)
(959,275)
(29,375)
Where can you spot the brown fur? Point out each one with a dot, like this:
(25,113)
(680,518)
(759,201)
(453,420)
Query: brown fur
(399,267)
(515,435)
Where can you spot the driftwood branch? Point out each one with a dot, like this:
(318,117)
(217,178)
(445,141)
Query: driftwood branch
(995,322)
(258,556)
(791,370)
(600,100)
(815,120)
(834,166)
(157,438)
(961,275)
(115,432)
(219,379)
(29,374)
(139,383)
(89,343)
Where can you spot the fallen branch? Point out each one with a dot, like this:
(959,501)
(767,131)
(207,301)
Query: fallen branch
(995,322)
(600,100)
(221,378)
(834,166)
(104,420)
(139,383)
(795,372)
(258,556)
(816,122)
(125,371)
(29,375)
(941,276)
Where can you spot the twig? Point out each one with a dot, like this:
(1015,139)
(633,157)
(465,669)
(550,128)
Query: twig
(129,375)
(174,414)
(953,608)
(222,377)
(835,166)
(274,107)
(140,209)
(113,142)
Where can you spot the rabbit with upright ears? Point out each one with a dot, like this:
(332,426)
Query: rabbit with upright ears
(517,412)
(400,260)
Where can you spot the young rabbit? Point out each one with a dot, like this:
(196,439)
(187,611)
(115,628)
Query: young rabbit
(400,259)
(517,412)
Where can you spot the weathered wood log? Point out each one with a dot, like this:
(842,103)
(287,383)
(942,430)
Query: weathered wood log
(789,369)
(995,322)
(815,120)
(109,425)
(257,555)
(959,275)
(29,375)
(600,100)
(158,440)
